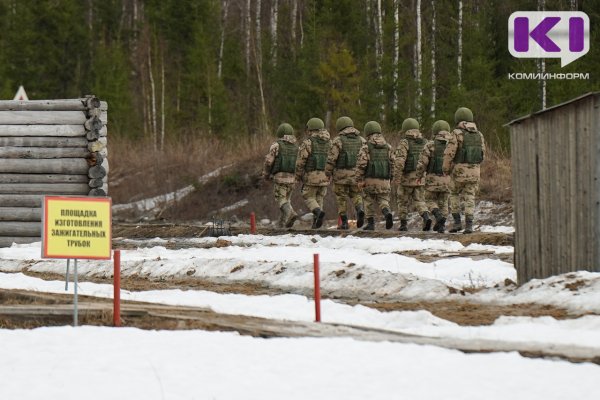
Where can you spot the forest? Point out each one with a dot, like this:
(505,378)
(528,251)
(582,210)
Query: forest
(233,69)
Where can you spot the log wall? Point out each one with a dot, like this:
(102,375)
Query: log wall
(48,147)
(556,189)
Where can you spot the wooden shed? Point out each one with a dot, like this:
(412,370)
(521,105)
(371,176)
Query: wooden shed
(48,147)
(556,189)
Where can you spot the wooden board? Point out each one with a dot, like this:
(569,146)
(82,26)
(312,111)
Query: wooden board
(7,241)
(43,105)
(42,130)
(43,178)
(11,228)
(20,214)
(74,166)
(42,118)
(21,200)
(45,188)
(43,141)
(43,152)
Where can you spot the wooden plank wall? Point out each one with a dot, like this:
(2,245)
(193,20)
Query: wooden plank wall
(556,174)
(48,147)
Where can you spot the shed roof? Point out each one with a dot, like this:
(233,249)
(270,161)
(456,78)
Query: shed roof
(520,119)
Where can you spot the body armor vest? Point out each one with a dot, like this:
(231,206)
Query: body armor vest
(437,159)
(285,161)
(351,145)
(415,147)
(318,154)
(379,161)
(471,151)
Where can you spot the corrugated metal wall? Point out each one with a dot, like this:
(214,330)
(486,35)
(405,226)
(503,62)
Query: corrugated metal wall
(556,189)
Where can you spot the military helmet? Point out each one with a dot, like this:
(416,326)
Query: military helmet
(463,114)
(372,127)
(440,125)
(314,124)
(284,129)
(410,123)
(343,122)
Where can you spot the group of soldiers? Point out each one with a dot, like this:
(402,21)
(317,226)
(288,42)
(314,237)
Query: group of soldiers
(435,175)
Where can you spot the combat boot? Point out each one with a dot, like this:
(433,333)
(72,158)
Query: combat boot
(438,218)
(468,224)
(289,215)
(389,218)
(457,224)
(344,224)
(360,216)
(442,225)
(403,225)
(370,224)
(426,221)
(318,218)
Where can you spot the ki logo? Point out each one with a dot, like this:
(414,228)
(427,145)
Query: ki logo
(549,34)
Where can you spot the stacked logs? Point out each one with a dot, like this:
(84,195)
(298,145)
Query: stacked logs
(48,147)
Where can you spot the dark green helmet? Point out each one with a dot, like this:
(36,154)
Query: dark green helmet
(314,124)
(410,123)
(284,129)
(372,127)
(343,122)
(463,114)
(440,125)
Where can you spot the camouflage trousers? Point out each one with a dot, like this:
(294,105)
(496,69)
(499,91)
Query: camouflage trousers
(313,196)
(382,200)
(404,195)
(282,192)
(437,200)
(345,192)
(463,193)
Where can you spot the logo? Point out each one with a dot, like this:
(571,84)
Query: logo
(549,34)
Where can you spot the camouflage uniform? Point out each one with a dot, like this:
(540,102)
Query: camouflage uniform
(437,185)
(314,179)
(465,176)
(377,190)
(283,182)
(408,184)
(341,163)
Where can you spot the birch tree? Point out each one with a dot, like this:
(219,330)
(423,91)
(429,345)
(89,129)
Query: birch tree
(248,33)
(460,44)
(274,17)
(418,60)
(224,12)
(433,60)
(396,52)
(379,59)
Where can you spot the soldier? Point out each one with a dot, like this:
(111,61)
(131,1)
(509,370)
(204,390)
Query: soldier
(341,161)
(310,168)
(279,166)
(462,158)
(374,167)
(408,185)
(437,183)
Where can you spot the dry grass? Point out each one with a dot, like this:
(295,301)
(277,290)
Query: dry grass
(496,178)
(138,171)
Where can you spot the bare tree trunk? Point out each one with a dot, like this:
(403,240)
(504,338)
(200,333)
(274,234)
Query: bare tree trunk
(274,17)
(301,28)
(162,101)
(222,45)
(396,51)
(379,58)
(209,100)
(293,18)
(460,47)
(433,61)
(257,34)
(153,96)
(419,61)
(542,64)
(573,5)
(247,28)
(258,61)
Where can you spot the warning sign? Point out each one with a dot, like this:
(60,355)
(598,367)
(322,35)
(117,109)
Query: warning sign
(77,227)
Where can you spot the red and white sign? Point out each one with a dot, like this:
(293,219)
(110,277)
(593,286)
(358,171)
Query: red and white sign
(21,94)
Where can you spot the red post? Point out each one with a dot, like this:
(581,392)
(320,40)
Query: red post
(317,289)
(117,288)
(252,223)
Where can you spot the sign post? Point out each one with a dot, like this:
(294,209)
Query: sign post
(76,228)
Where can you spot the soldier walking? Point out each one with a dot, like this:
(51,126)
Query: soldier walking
(279,166)
(310,168)
(408,185)
(437,184)
(341,161)
(374,166)
(462,158)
